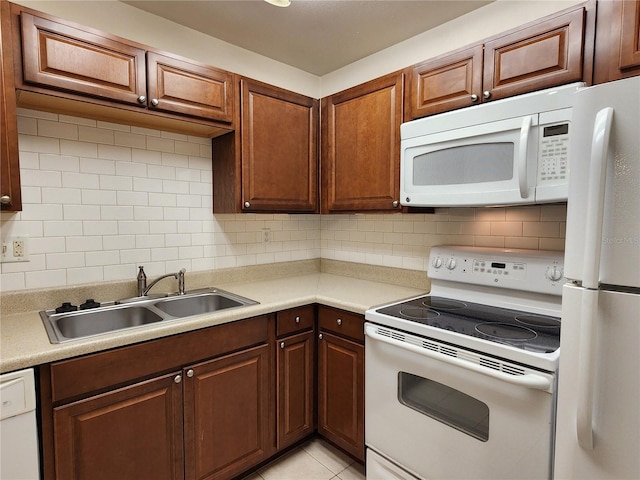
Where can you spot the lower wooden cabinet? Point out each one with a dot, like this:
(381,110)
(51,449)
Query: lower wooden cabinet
(226,414)
(341,379)
(131,433)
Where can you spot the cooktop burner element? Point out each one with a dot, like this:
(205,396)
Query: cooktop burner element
(539,321)
(440,303)
(418,313)
(505,331)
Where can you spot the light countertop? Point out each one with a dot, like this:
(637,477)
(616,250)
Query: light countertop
(24,341)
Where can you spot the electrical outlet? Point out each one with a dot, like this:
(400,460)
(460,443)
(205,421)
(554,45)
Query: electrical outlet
(266,235)
(15,249)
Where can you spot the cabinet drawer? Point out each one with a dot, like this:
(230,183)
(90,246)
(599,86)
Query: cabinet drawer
(294,320)
(341,322)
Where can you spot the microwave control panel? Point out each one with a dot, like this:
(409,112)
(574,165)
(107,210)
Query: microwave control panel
(553,164)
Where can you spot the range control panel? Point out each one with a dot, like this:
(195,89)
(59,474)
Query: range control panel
(528,270)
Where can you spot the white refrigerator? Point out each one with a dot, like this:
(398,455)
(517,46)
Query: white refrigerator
(598,416)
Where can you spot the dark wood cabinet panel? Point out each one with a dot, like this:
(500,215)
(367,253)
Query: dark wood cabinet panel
(341,393)
(226,414)
(295,381)
(10,193)
(61,56)
(446,83)
(179,86)
(341,322)
(279,149)
(295,320)
(617,51)
(544,55)
(131,433)
(361,146)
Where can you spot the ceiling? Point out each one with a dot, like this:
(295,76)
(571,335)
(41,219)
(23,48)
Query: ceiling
(317,36)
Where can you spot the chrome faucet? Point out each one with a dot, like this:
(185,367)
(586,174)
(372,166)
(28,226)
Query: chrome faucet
(143,289)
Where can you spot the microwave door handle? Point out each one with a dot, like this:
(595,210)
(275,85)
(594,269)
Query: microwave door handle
(522,156)
(530,380)
(591,276)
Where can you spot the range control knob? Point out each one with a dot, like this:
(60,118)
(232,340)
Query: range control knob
(554,273)
(436,262)
(451,263)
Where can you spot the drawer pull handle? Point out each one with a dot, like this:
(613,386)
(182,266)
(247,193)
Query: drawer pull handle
(339,321)
(177,378)
(281,344)
(297,319)
(190,373)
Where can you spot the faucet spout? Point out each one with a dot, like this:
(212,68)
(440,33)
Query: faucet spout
(178,276)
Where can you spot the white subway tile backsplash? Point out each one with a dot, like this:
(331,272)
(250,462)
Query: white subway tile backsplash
(101,198)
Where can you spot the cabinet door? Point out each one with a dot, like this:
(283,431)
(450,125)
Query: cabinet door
(179,86)
(543,55)
(295,363)
(10,194)
(279,149)
(446,83)
(131,433)
(361,147)
(341,393)
(226,414)
(64,57)
(617,50)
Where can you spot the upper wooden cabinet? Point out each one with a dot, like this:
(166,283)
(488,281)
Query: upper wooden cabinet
(543,54)
(361,147)
(10,194)
(617,52)
(77,70)
(271,165)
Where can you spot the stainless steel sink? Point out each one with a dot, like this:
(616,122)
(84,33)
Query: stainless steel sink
(116,316)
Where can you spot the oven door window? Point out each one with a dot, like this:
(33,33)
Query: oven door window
(444,404)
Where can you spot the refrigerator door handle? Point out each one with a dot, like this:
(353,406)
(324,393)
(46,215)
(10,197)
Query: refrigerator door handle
(586,369)
(591,275)
(522,156)
(595,197)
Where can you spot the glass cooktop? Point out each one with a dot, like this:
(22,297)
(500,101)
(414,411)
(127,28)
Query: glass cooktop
(537,333)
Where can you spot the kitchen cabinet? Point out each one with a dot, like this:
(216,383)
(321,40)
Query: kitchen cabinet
(542,54)
(130,433)
(75,69)
(195,405)
(10,194)
(617,52)
(295,379)
(360,135)
(341,379)
(227,421)
(271,164)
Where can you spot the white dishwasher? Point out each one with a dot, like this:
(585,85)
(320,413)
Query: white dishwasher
(18,427)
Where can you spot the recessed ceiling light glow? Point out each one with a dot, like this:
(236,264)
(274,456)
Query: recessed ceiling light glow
(279,3)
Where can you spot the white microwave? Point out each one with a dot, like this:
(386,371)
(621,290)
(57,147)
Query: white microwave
(508,152)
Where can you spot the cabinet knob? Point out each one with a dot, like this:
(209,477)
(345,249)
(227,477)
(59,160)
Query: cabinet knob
(486,94)
(474,97)
(177,378)
(297,319)
(5,199)
(396,203)
(320,336)
(247,204)
(190,373)
(339,321)
(142,99)
(154,102)
(281,344)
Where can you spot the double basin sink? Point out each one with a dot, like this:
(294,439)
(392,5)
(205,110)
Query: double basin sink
(140,311)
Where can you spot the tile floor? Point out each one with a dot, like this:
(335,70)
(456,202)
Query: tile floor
(314,460)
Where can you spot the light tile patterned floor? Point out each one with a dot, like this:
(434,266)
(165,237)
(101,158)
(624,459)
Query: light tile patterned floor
(315,460)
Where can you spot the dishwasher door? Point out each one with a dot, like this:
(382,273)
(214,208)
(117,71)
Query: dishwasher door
(18,427)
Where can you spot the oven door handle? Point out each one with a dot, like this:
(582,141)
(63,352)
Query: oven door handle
(530,380)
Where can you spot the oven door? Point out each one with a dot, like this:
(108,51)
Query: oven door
(442,412)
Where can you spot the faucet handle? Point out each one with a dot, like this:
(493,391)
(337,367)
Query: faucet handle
(181,273)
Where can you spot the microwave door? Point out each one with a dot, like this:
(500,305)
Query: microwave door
(488,164)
